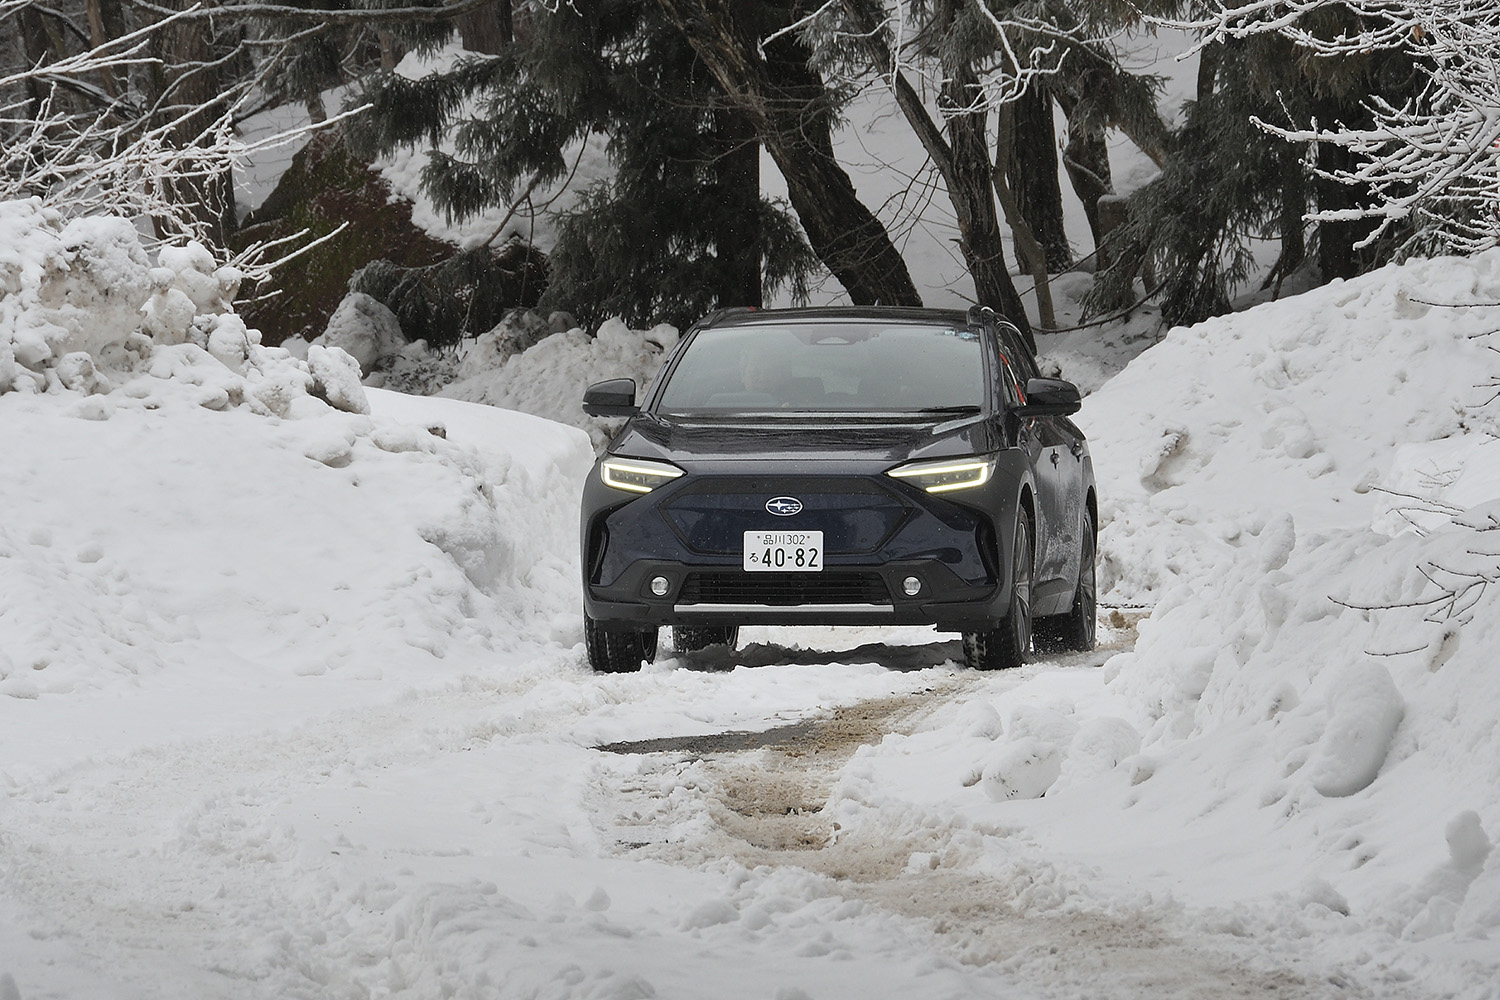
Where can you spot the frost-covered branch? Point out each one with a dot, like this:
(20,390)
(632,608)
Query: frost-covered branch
(1020,48)
(329,14)
(147,153)
(91,166)
(1432,163)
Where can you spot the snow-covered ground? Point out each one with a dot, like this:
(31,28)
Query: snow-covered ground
(293,703)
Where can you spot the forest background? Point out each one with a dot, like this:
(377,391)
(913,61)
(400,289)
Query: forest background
(1345,135)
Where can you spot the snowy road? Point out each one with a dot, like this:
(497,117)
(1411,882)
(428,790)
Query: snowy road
(556,834)
(293,700)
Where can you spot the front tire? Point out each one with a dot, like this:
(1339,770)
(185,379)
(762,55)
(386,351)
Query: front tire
(617,649)
(687,639)
(1007,646)
(1074,631)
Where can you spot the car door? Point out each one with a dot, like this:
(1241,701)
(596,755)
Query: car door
(1059,495)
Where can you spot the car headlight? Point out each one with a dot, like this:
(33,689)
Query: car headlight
(636,475)
(946,475)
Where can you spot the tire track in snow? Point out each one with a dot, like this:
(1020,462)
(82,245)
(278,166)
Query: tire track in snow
(344,856)
(757,801)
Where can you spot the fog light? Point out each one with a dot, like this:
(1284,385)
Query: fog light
(911,586)
(660,586)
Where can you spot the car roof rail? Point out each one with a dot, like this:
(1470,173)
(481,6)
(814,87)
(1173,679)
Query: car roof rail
(718,315)
(979,315)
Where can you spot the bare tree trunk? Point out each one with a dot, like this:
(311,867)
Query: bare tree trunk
(104,25)
(37,51)
(969,188)
(739,242)
(1032,173)
(488,29)
(1208,69)
(1027,247)
(1337,257)
(964,164)
(1293,208)
(786,101)
(1086,160)
(390,50)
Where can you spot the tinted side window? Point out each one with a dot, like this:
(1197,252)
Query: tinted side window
(1020,358)
(1009,378)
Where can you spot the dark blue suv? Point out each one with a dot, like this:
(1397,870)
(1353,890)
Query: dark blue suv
(841,466)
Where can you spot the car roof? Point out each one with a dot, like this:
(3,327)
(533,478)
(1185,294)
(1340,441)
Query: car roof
(744,316)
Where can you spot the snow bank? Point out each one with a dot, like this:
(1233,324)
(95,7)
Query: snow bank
(528,362)
(1249,462)
(115,566)
(549,378)
(82,309)
(1305,496)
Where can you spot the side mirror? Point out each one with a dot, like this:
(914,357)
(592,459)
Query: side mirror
(1051,397)
(615,398)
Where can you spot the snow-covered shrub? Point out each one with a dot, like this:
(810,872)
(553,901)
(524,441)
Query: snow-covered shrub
(366,329)
(64,288)
(521,330)
(82,309)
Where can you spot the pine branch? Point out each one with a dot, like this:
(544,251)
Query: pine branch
(323,15)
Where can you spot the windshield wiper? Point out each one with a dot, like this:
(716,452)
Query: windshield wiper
(962,408)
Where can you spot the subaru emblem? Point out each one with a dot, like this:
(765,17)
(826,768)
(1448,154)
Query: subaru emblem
(784,506)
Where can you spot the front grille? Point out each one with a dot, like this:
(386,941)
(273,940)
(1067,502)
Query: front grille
(783,590)
(857,515)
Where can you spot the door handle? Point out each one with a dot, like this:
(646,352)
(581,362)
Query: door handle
(1054,459)
(1076,448)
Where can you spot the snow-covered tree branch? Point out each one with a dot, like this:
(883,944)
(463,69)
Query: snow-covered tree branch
(108,126)
(1431,163)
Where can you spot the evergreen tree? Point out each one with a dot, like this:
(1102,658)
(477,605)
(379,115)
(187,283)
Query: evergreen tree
(681,227)
(677,228)
(765,71)
(307,61)
(971,75)
(1226,182)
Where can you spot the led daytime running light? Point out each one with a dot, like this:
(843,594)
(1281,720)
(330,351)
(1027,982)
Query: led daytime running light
(637,476)
(945,477)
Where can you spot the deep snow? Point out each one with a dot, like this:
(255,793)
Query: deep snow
(292,700)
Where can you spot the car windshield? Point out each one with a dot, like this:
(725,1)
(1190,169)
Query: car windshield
(828,367)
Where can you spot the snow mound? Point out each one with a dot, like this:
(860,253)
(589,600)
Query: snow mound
(1304,496)
(1295,406)
(1333,654)
(366,329)
(1021,769)
(1364,710)
(83,310)
(549,379)
(433,531)
(395,548)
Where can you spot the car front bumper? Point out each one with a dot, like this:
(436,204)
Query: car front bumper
(878,534)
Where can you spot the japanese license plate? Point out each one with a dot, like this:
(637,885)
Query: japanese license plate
(783,551)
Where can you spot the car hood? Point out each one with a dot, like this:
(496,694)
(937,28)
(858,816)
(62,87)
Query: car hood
(883,442)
